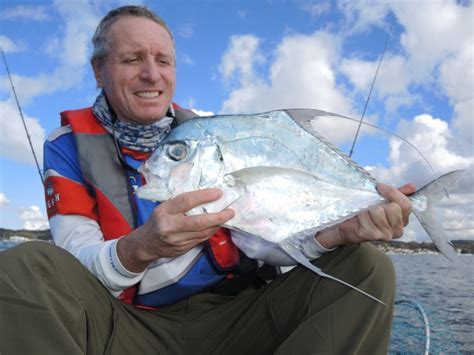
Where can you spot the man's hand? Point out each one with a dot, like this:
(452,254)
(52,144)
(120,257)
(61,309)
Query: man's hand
(169,232)
(382,222)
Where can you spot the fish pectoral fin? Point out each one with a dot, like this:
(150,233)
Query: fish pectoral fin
(255,174)
(229,196)
(147,192)
(293,251)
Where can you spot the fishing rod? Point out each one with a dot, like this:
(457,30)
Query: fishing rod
(389,34)
(22,117)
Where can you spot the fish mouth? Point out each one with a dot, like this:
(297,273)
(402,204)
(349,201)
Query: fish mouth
(155,188)
(154,191)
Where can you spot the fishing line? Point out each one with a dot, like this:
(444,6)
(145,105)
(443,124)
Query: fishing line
(22,117)
(371,89)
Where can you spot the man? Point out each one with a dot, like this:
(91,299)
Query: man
(156,280)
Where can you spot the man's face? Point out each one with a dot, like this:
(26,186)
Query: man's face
(138,74)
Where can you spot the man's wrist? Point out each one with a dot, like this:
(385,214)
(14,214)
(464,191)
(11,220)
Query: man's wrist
(128,252)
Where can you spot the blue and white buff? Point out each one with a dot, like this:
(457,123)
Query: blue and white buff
(142,138)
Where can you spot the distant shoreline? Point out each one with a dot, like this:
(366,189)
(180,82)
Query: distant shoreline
(393,247)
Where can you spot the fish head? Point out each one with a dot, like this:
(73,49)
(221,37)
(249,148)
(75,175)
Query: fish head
(179,166)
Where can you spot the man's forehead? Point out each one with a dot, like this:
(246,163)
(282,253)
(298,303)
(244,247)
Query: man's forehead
(134,26)
(134,35)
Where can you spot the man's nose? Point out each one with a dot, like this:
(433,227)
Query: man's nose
(150,71)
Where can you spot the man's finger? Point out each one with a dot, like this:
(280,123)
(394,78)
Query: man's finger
(205,221)
(394,195)
(381,221)
(194,237)
(394,215)
(188,200)
(407,189)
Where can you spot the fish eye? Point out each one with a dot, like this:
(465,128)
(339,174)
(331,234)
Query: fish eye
(177,151)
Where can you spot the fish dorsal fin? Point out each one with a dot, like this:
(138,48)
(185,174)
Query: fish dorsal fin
(293,251)
(305,117)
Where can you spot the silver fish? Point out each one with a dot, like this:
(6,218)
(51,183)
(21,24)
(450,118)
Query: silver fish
(284,181)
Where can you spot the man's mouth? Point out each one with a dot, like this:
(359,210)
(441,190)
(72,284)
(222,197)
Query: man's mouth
(148,94)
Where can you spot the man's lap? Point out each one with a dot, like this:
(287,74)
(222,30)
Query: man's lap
(255,321)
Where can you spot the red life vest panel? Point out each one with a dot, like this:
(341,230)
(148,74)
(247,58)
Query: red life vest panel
(105,175)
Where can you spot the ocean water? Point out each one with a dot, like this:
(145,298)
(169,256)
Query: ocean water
(443,290)
(446,293)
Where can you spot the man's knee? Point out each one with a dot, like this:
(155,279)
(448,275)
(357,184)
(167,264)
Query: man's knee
(35,257)
(377,269)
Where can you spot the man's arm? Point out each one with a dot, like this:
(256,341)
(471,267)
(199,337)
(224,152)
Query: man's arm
(82,237)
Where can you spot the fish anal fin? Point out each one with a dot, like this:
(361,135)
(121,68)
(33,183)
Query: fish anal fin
(298,256)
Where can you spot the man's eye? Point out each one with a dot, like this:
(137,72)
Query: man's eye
(131,60)
(163,61)
(177,151)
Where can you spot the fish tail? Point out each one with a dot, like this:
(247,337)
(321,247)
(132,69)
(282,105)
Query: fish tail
(298,256)
(422,202)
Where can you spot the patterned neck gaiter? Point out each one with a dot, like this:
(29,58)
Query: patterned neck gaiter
(142,138)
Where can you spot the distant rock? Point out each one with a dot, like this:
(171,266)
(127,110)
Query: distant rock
(397,247)
(7,234)
(394,247)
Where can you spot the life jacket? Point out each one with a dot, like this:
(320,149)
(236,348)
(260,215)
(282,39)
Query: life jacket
(108,184)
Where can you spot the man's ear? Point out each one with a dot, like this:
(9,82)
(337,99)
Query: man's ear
(97,75)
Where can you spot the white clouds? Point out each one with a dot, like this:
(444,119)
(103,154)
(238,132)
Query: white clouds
(185,59)
(240,58)
(439,29)
(186,30)
(203,113)
(457,72)
(303,80)
(33,219)
(13,142)
(242,14)
(8,46)
(3,200)
(191,103)
(26,12)
(72,53)
(316,8)
(302,74)
(362,14)
(77,33)
(71,50)
(437,43)
(434,138)
(393,77)
(464,122)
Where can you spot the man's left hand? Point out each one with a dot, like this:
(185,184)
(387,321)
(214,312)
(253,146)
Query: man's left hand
(382,222)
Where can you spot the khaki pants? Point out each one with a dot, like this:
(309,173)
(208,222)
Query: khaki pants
(51,304)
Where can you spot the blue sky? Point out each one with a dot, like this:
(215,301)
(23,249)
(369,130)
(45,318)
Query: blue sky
(254,56)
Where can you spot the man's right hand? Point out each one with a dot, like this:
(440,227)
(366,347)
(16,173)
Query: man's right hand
(169,232)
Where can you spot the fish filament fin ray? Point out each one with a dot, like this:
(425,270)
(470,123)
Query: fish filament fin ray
(304,117)
(293,251)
